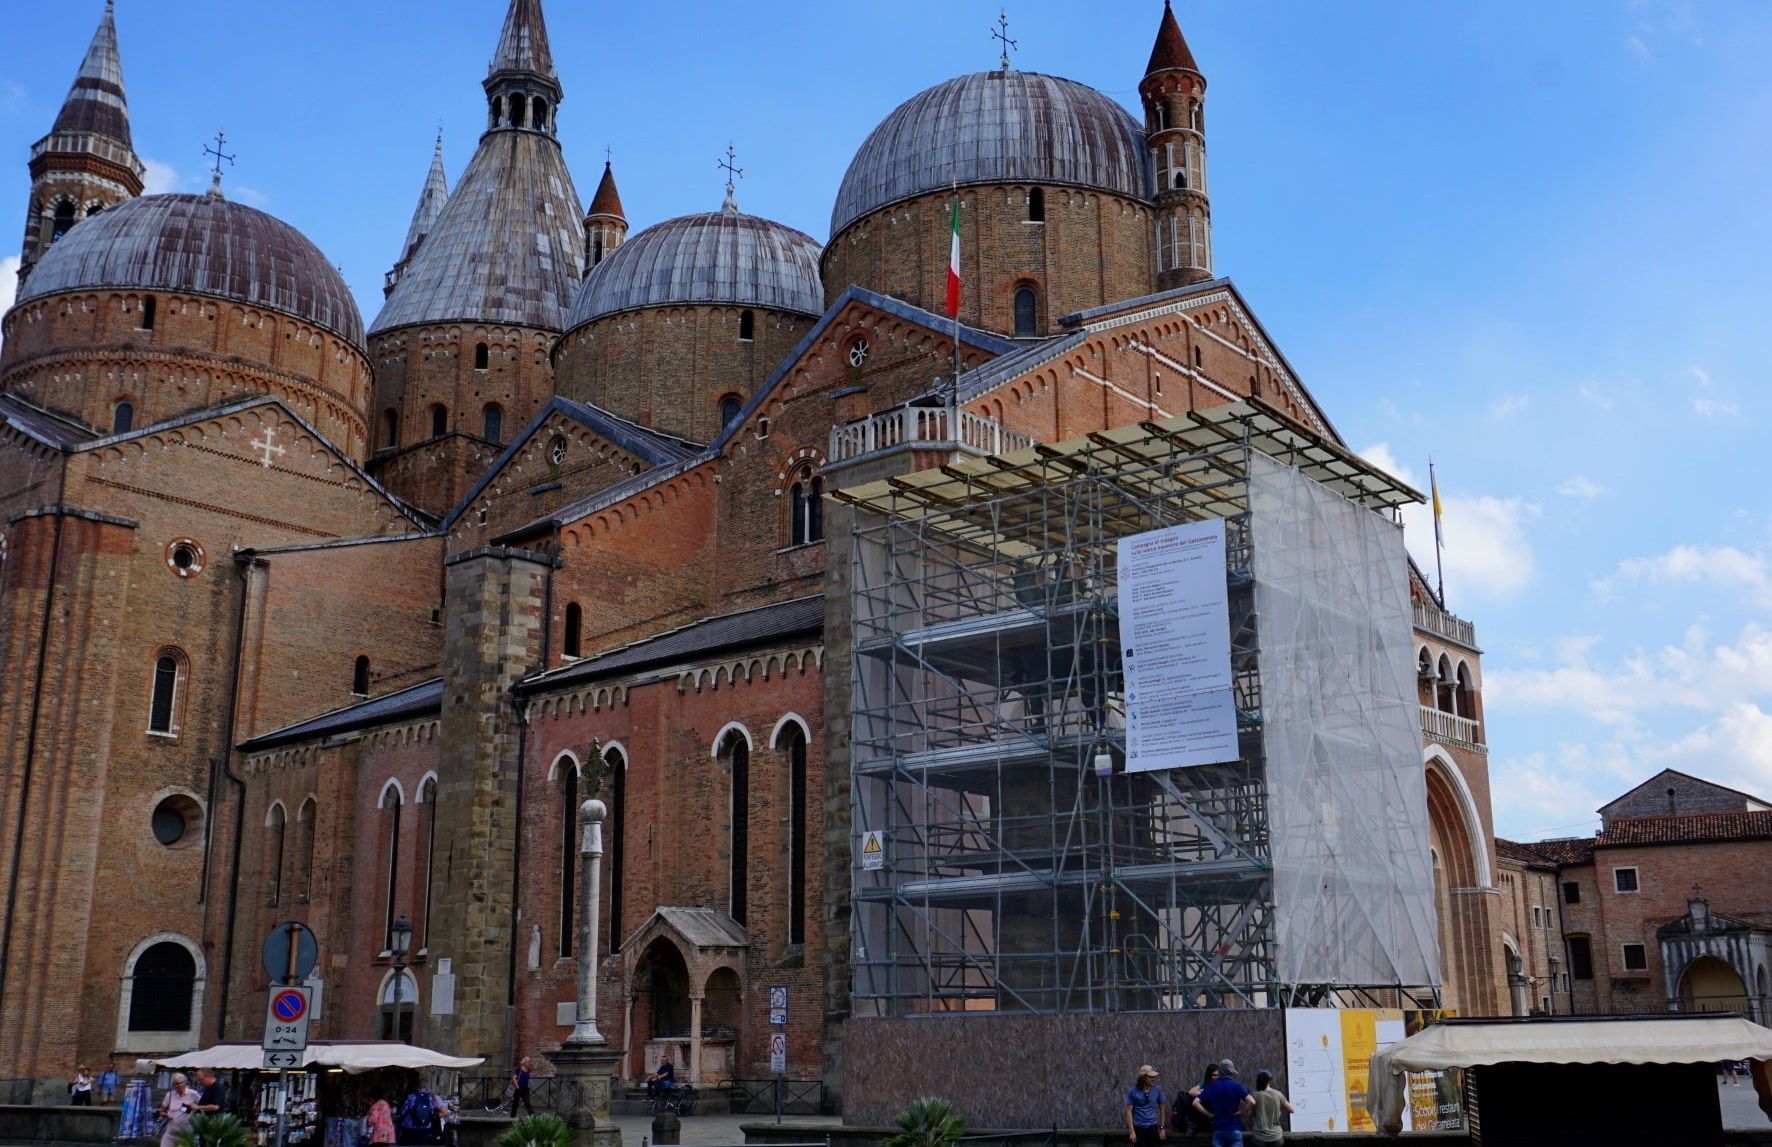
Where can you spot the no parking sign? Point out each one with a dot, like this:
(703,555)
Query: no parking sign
(286,1027)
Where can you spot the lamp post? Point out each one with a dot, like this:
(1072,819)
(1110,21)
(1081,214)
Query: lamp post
(399,943)
(590,858)
(1556,963)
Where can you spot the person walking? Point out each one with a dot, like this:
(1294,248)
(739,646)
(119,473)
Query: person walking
(176,1108)
(107,1085)
(1266,1122)
(212,1099)
(1145,1110)
(80,1087)
(520,1087)
(419,1124)
(379,1123)
(1226,1101)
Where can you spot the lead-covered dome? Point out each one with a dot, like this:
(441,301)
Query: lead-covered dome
(718,257)
(996,127)
(200,244)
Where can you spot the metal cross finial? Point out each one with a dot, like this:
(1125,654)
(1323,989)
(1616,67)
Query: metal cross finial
(733,171)
(608,156)
(1001,32)
(220,139)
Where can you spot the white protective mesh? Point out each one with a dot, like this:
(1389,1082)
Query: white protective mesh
(1347,799)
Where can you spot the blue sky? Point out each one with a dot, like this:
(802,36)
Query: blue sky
(1529,239)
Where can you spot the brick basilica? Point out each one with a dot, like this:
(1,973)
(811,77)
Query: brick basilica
(302,618)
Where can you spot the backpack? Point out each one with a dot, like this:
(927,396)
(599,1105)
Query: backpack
(418,1113)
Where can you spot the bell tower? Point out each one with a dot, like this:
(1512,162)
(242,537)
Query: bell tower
(606,224)
(521,88)
(1174,94)
(87,162)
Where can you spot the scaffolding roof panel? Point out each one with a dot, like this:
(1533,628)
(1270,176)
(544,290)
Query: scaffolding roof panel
(1139,451)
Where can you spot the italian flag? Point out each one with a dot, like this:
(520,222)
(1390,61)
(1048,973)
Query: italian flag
(954,266)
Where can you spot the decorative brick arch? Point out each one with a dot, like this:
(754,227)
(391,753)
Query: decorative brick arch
(781,726)
(1473,979)
(720,738)
(563,755)
(161,1041)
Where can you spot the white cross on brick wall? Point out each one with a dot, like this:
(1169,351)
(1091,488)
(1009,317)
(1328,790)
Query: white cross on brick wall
(269,445)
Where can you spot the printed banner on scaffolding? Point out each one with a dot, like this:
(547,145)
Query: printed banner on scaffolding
(1175,645)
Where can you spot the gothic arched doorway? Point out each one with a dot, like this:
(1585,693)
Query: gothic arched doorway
(1710,985)
(661,1005)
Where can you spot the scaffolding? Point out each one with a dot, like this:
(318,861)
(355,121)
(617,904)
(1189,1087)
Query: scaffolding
(1005,861)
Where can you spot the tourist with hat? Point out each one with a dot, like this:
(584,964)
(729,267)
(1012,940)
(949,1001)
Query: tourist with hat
(1227,1102)
(1145,1109)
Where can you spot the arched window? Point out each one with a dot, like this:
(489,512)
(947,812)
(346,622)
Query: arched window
(519,106)
(64,220)
(390,428)
(498,110)
(123,417)
(568,854)
(806,508)
(94,210)
(541,114)
(616,782)
(1464,691)
(302,879)
(166,701)
(747,326)
(737,752)
(572,637)
(1446,697)
(162,984)
(495,422)
(730,405)
(796,750)
(1162,110)
(427,799)
(399,1005)
(360,677)
(149,308)
(439,420)
(1027,310)
(274,826)
(1037,206)
(391,800)
(482,357)
(1196,113)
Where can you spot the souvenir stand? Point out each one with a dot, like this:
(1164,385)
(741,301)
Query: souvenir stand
(330,1094)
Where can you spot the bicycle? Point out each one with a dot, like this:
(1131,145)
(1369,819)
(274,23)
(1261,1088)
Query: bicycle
(678,1100)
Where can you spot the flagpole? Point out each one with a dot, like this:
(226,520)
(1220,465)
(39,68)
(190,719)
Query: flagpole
(1439,544)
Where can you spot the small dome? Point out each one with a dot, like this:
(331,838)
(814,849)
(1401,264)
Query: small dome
(996,127)
(723,257)
(205,245)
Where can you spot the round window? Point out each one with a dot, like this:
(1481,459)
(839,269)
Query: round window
(184,557)
(557,450)
(177,821)
(858,352)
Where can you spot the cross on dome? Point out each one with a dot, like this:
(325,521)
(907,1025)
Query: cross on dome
(1001,32)
(216,151)
(733,171)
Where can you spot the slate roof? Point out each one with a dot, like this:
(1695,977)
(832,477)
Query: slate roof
(745,628)
(431,202)
(1523,853)
(96,103)
(45,426)
(721,256)
(705,927)
(996,127)
(1695,828)
(202,244)
(1563,850)
(1170,50)
(523,43)
(423,699)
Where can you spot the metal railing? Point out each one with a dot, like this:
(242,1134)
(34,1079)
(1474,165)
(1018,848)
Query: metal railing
(1439,725)
(546,1092)
(1753,1007)
(775,1095)
(931,426)
(1442,624)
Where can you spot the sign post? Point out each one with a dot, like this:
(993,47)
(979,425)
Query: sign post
(290,953)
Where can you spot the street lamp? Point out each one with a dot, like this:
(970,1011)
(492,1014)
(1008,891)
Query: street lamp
(1556,963)
(399,943)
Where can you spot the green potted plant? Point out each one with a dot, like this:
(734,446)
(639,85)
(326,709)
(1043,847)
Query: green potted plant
(538,1131)
(926,1123)
(214,1131)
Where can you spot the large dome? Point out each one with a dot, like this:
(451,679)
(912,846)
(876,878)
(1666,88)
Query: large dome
(720,257)
(202,244)
(996,127)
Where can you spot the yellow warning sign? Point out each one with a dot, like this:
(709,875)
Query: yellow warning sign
(873,851)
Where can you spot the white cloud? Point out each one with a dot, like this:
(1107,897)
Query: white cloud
(251,196)
(1596,396)
(1508,405)
(159,178)
(1486,551)
(12,97)
(8,283)
(1723,566)
(1582,488)
(1735,749)
(1697,374)
(1713,408)
(1638,49)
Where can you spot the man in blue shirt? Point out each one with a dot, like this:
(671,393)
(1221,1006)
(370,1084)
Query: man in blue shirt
(1226,1101)
(1145,1104)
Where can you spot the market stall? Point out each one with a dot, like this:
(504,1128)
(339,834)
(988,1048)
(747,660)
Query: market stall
(326,1100)
(1619,1080)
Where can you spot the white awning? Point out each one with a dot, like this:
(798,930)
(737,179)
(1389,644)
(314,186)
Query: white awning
(353,1057)
(1676,1039)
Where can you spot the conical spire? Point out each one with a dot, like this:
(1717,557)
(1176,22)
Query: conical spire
(430,202)
(607,201)
(96,104)
(523,45)
(1171,50)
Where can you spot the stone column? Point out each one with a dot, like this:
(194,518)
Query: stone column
(586,1061)
(695,1038)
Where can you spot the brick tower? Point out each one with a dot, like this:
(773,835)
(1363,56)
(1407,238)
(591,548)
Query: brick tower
(1174,94)
(86,163)
(606,227)
(461,345)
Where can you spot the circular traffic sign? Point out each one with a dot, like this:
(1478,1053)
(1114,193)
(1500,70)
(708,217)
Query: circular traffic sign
(290,952)
(289,1006)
